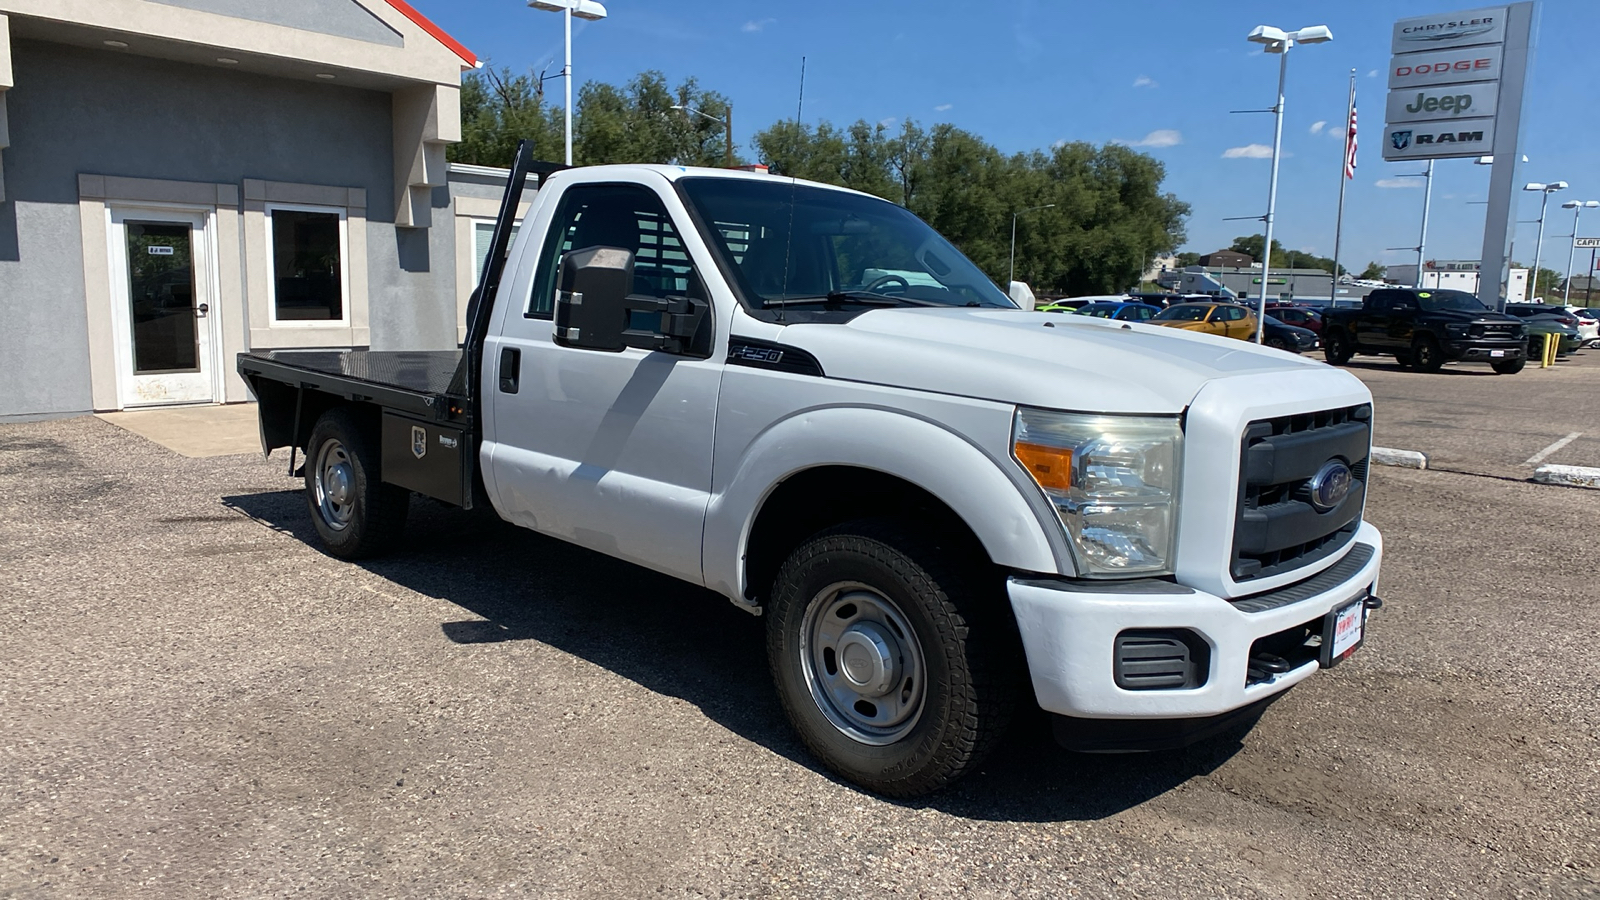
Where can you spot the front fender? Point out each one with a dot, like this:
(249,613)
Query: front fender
(991,495)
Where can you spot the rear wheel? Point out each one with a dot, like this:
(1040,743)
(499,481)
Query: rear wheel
(354,512)
(1508,367)
(1426,355)
(1277,344)
(894,663)
(1336,348)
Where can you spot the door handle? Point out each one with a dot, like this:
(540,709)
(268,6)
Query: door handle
(201,310)
(510,369)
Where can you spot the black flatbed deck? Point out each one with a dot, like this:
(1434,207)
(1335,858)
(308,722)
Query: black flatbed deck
(411,380)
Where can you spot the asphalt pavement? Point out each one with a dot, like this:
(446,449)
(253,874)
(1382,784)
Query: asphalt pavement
(199,703)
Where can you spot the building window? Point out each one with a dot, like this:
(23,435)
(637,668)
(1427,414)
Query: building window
(308,246)
(482,236)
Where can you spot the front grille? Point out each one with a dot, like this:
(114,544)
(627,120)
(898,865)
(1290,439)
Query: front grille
(1278,529)
(1503,332)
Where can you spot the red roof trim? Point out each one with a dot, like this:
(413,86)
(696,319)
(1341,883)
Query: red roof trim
(437,32)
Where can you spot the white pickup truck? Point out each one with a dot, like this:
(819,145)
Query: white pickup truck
(805,399)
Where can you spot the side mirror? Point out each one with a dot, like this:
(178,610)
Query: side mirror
(591,292)
(596,309)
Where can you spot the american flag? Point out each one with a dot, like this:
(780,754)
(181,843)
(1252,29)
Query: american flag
(1350,141)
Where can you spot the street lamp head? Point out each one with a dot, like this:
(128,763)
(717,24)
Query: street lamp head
(1556,186)
(583,9)
(1313,34)
(1534,186)
(1266,34)
(1591,204)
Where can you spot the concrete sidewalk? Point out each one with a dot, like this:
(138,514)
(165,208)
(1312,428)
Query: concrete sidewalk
(195,431)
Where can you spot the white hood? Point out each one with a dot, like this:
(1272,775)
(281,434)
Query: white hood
(1033,359)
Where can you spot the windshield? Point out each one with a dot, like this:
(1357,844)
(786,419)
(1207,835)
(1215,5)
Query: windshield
(1433,301)
(1182,314)
(841,242)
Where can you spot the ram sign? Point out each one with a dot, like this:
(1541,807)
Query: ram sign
(1444,85)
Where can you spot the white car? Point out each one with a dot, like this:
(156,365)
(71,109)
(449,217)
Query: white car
(1588,325)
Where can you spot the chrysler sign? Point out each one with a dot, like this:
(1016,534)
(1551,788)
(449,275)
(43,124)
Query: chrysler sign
(1481,26)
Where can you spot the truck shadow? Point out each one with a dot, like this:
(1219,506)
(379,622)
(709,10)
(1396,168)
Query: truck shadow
(686,642)
(1474,370)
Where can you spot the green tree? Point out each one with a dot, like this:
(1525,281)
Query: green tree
(1374,272)
(499,109)
(1108,218)
(1281,258)
(1187,259)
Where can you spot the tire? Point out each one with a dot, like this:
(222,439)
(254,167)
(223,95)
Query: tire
(1277,344)
(1336,348)
(354,512)
(1426,355)
(876,600)
(1509,366)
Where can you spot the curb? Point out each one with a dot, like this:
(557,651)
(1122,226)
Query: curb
(1407,459)
(1569,476)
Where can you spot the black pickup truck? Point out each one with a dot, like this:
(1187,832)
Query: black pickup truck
(1426,329)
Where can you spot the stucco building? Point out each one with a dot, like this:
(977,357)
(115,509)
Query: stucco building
(181,180)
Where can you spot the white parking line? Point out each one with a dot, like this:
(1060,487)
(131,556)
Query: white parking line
(1539,457)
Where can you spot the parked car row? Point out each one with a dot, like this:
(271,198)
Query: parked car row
(1210,317)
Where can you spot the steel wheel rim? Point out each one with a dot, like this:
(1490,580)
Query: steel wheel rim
(863,663)
(335,485)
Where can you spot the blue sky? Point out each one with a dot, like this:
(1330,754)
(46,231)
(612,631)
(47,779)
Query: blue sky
(1161,74)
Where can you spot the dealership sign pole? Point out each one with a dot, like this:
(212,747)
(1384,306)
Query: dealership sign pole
(1455,90)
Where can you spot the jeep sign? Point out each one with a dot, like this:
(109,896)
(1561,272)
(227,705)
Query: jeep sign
(1438,140)
(1450,102)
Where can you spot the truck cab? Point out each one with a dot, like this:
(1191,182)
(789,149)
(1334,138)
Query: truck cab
(944,506)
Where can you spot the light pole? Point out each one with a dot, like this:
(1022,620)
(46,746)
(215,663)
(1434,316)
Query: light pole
(1545,191)
(727,124)
(1577,207)
(1012,276)
(583,9)
(1280,42)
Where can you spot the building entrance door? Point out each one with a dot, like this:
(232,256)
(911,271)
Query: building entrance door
(162,306)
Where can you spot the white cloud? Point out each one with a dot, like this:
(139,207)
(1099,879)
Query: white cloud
(1161,137)
(1372,73)
(889,121)
(1317,126)
(1398,183)
(755,25)
(1059,144)
(943,107)
(1248,151)
(1145,81)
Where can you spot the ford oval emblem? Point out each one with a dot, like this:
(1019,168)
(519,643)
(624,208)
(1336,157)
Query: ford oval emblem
(1330,485)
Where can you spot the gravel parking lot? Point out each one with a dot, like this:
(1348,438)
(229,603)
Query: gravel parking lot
(198,703)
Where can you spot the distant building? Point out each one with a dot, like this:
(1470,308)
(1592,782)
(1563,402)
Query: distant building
(1454,274)
(1227,259)
(1162,263)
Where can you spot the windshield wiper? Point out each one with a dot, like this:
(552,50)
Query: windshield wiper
(863,297)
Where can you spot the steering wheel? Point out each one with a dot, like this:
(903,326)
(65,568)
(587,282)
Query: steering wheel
(886,280)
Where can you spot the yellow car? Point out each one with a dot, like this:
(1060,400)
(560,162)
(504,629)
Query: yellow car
(1225,319)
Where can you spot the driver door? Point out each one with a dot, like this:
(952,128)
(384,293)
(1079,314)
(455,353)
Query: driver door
(611,451)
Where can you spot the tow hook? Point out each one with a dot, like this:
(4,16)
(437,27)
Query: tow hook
(1373,601)
(1266,666)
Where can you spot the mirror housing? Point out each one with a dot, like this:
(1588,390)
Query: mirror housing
(597,310)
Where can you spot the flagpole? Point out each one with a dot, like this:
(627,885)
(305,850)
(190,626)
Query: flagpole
(1344,176)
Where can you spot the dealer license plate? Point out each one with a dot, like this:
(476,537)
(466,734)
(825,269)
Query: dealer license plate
(1497,353)
(1343,631)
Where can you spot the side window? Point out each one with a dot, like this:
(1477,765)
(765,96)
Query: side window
(612,215)
(1378,301)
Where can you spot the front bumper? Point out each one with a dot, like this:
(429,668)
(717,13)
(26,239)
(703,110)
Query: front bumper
(1485,351)
(1069,630)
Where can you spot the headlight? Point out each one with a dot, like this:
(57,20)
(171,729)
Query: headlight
(1457,329)
(1113,481)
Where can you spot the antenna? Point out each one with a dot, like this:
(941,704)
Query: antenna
(794,186)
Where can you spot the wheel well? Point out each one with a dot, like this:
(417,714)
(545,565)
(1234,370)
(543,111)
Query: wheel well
(277,411)
(820,498)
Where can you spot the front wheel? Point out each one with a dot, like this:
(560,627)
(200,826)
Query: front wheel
(894,666)
(354,512)
(1426,355)
(1336,348)
(1277,344)
(1508,366)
